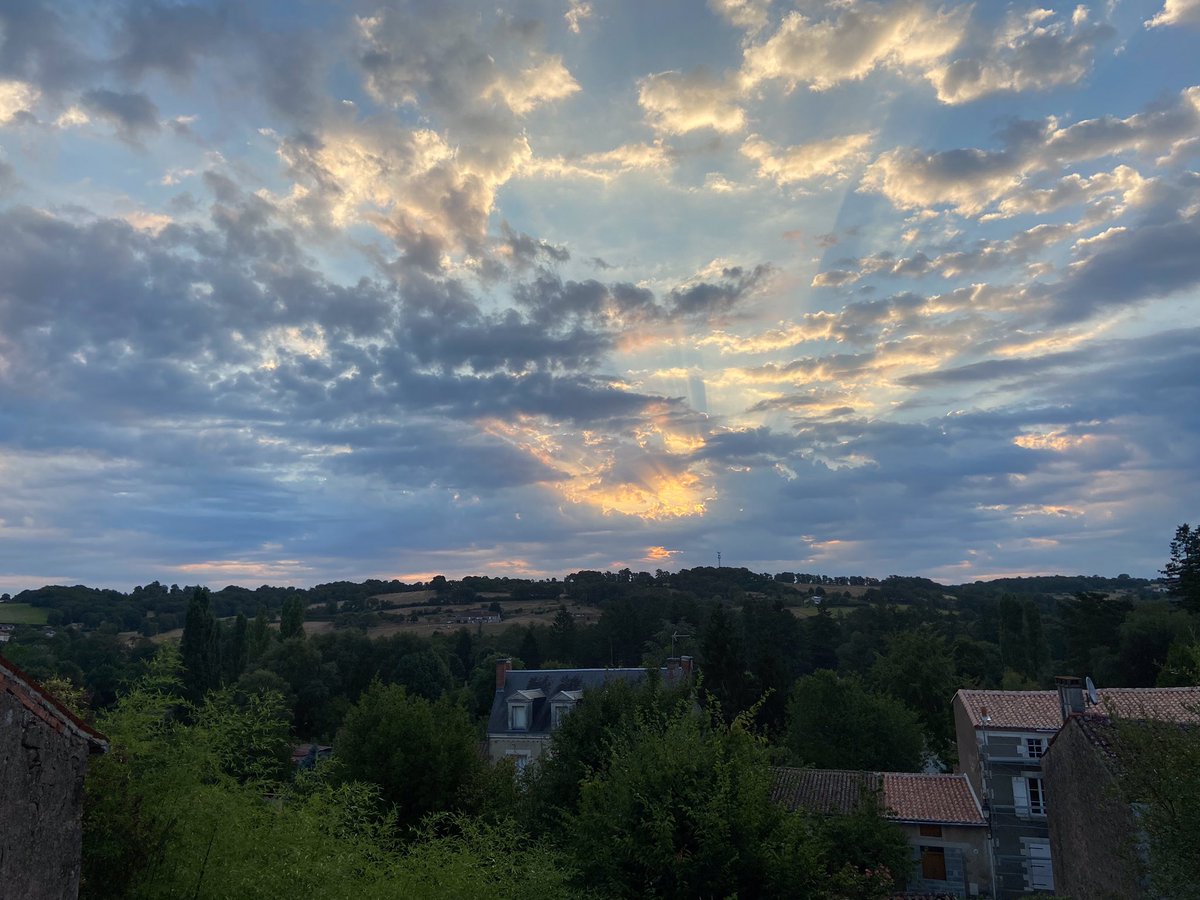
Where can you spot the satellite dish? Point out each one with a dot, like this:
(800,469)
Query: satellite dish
(1093,697)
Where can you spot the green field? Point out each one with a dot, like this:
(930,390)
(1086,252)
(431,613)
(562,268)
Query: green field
(21,614)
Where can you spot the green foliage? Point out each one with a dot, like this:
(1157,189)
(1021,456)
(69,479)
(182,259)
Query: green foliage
(918,669)
(22,614)
(167,814)
(1160,773)
(836,723)
(1182,570)
(683,810)
(581,746)
(201,647)
(420,754)
(291,621)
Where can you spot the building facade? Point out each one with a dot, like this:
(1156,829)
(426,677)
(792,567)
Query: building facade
(44,750)
(530,704)
(1002,737)
(940,816)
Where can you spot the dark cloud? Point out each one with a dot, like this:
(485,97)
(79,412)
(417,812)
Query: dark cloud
(170,38)
(133,114)
(1122,267)
(706,298)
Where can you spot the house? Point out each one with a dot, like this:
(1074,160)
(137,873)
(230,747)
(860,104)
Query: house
(940,816)
(1095,835)
(44,749)
(1002,736)
(482,616)
(530,703)
(1090,827)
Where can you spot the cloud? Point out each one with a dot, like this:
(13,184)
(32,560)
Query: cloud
(971,179)
(16,97)
(528,89)
(866,36)
(676,103)
(750,15)
(578,12)
(1029,52)
(831,158)
(1176,12)
(133,114)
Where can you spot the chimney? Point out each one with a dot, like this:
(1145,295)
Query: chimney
(502,668)
(1070,695)
(983,716)
(685,665)
(672,669)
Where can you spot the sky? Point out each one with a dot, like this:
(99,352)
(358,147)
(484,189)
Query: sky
(304,291)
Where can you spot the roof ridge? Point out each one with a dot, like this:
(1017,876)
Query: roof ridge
(72,721)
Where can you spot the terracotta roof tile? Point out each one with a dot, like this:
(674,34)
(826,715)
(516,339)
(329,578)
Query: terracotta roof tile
(824,791)
(908,797)
(47,707)
(1039,710)
(946,799)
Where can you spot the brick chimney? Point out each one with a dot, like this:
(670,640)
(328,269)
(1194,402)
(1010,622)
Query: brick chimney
(685,666)
(672,669)
(502,669)
(1070,695)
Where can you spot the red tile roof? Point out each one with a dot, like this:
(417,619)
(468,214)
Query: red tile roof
(907,797)
(1040,711)
(47,707)
(945,799)
(826,791)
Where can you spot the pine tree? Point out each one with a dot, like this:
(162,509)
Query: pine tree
(201,654)
(291,621)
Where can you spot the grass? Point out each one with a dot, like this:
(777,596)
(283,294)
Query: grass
(21,614)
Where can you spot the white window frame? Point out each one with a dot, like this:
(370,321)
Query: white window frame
(1029,796)
(1032,747)
(513,710)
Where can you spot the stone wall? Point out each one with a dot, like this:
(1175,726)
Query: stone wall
(1090,829)
(41,794)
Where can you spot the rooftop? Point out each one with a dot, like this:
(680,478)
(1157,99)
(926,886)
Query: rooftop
(1040,710)
(907,797)
(47,707)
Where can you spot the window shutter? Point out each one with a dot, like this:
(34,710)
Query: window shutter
(1020,796)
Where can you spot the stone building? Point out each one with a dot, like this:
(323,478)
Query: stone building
(1002,737)
(939,815)
(530,703)
(44,749)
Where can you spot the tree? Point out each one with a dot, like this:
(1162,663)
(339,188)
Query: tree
(1182,570)
(723,662)
(836,723)
(291,620)
(259,636)
(239,648)
(1159,770)
(200,646)
(529,650)
(421,754)
(562,635)
(683,810)
(918,669)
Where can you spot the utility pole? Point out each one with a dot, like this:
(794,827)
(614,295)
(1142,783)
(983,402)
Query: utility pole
(718,559)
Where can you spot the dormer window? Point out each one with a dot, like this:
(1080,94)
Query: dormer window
(520,708)
(518,717)
(561,704)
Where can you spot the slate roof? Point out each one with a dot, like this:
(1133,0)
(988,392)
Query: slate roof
(550,682)
(1040,711)
(906,796)
(47,707)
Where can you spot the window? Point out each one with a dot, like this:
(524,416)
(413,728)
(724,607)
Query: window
(1033,748)
(557,711)
(520,758)
(518,717)
(1029,796)
(931,831)
(933,863)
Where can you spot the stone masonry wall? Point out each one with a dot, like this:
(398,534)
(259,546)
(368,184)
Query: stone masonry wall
(41,795)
